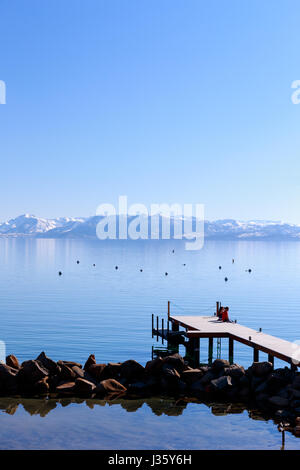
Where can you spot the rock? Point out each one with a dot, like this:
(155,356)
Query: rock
(174,361)
(70,364)
(222,383)
(244,381)
(295,393)
(112,370)
(275,382)
(48,363)
(66,373)
(8,379)
(42,386)
(197,387)
(235,371)
(220,364)
(261,388)
(143,387)
(232,394)
(110,386)
(208,377)
(262,398)
(97,371)
(32,372)
(84,387)
(131,370)
(244,393)
(83,374)
(12,361)
(284,393)
(296,382)
(192,375)
(154,367)
(261,369)
(278,402)
(90,361)
(66,388)
(170,377)
(284,415)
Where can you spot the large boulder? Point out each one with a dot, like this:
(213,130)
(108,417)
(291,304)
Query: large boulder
(97,371)
(131,370)
(83,374)
(112,371)
(175,361)
(12,361)
(154,367)
(278,402)
(70,363)
(48,363)
(296,382)
(208,377)
(235,371)
(66,373)
(42,387)
(8,379)
(84,387)
(221,384)
(191,375)
(32,372)
(197,387)
(219,364)
(261,369)
(66,388)
(90,361)
(110,386)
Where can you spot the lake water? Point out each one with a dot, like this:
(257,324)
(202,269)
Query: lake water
(101,310)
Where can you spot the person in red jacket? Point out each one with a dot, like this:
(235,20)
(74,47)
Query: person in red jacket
(225,316)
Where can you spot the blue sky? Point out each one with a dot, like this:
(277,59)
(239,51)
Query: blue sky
(183,101)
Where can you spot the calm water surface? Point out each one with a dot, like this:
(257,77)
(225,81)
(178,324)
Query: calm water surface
(101,310)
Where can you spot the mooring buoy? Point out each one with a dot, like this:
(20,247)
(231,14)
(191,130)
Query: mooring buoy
(116,267)
(226,279)
(59,273)
(77,262)
(166,274)
(220,267)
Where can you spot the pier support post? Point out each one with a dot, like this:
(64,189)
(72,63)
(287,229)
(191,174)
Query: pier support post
(157,328)
(197,351)
(271,359)
(255,355)
(210,350)
(162,330)
(152,324)
(175,326)
(230,351)
(193,351)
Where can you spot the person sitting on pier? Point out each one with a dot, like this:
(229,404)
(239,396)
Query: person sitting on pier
(220,312)
(225,316)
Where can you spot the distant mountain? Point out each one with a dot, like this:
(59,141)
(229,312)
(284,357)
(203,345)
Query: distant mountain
(227,229)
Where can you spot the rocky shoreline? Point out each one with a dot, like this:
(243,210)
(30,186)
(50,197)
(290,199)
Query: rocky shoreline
(276,392)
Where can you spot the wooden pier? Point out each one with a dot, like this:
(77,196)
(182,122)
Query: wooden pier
(197,327)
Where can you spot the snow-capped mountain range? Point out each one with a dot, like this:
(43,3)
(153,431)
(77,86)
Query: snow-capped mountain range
(85,227)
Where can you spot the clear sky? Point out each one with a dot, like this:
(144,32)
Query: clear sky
(185,101)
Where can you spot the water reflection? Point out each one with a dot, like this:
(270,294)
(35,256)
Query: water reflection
(158,405)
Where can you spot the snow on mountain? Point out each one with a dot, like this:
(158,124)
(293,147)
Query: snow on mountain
(226,229)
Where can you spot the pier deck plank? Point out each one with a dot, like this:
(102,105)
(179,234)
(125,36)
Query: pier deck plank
(205,327)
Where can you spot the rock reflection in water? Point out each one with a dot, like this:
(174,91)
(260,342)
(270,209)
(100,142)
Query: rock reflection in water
(158,405)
